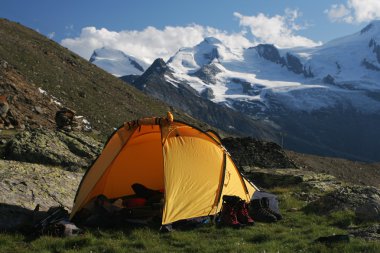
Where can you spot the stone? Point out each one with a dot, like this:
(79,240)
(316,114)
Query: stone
(68,149)
(371,232)
(23,186)
(250,152)
(363,200)
(4,106)
(38,110)
(64,118)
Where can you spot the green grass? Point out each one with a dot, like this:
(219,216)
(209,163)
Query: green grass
(295,233)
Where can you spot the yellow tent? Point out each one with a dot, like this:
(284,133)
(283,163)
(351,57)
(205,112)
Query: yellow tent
(191,165)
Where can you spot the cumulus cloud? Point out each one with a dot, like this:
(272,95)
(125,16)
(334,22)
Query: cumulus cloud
(354,11)
(150,43)
(278,30)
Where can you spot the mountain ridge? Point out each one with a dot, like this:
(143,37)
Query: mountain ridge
(316,96)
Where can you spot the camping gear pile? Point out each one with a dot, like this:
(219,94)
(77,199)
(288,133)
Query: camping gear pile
(54,222)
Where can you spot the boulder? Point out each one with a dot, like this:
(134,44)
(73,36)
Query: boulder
(23,186)
(64,119)
(370,233)
(314,184)
(250,152)
(363,200)
(72,150)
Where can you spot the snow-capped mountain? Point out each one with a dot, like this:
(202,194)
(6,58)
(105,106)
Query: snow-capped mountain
(301,79)
(323,100)
(117,63)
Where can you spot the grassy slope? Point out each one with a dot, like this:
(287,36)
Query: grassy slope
(296,233)
(104,99)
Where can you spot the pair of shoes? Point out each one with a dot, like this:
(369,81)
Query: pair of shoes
(260,211)
(235,212)
(265,204)
(243,214)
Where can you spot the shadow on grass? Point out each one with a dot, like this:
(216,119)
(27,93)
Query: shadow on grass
(15,218)
(19,220)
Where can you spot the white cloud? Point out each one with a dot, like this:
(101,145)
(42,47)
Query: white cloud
(338,13)
(354,11)
(278,30)
(51,35)
(150,43)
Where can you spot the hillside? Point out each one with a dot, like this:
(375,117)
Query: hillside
(102,98)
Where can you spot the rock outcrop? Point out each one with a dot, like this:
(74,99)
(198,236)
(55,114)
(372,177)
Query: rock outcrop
(24,185)
(251,152)
(72,150)
(363,200)
(371,232)
(207,73)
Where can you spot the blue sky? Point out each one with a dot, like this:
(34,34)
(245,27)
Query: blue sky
(161,26)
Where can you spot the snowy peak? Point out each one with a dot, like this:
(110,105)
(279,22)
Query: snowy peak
(190,59)
(117,62)
(207,51)
(290,61)
(373,27)
(158,67)
(211,41)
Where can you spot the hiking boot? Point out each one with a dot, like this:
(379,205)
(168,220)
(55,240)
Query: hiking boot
(258,213)
(231,199)
(242,214)
(265,205)
(228,216)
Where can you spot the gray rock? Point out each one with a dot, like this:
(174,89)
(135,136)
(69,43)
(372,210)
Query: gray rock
(38,110)
(328,79)
(368,233)
(363,200)
(3,64)
(251,152)
(294,64)
(23,186)
(370,65)
(270,53)
(48,147)
(208,93)
(207,73)
(313,184)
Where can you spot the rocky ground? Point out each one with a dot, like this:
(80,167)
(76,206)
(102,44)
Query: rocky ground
(345,170)
(72,150)
(23,186)
(48,179)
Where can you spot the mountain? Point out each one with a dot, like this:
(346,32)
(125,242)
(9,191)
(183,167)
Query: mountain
(36,71)
(323,100)
(117,63)
(156,81)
